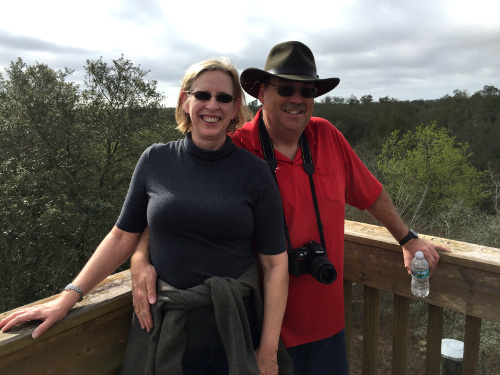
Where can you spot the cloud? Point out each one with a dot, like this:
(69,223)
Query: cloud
(406,50)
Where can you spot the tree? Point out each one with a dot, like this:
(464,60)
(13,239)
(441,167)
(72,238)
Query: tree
(365,99)
(353,100)
(119,105)
(41,144)
(430,178)
(254,106)
(489,90)
(66,162)
(123,114)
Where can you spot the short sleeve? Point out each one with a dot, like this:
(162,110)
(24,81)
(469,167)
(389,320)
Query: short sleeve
(133,216)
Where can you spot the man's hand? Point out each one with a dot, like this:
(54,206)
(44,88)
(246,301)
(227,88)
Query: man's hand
(383,210)
(426,247)
(144,278)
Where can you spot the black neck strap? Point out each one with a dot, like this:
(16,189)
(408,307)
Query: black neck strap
(270,158)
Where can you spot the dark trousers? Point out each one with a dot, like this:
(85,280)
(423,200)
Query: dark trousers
(212,360)
(205,361)
(323,357)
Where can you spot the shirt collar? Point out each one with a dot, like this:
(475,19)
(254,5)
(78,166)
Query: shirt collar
(249,134)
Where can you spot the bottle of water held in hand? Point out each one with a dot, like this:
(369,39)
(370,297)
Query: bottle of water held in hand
(419,275)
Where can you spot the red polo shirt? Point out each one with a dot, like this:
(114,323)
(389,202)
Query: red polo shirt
(316,311)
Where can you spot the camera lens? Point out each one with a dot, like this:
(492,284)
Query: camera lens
(322,270)
(327,274)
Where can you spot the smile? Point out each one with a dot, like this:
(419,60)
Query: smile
(210,119)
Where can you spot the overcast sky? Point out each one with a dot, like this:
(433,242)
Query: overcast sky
(403,49)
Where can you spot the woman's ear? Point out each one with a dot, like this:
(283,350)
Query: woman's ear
(237,104)
(184,99)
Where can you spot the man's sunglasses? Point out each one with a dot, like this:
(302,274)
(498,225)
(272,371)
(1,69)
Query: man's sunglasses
(205,96)
(306,92)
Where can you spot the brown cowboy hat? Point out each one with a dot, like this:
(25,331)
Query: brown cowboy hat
(291,61)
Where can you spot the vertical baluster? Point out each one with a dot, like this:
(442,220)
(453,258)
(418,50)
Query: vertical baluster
(400,335)
(348,317)
(434,337)
(371,314)
(471,344)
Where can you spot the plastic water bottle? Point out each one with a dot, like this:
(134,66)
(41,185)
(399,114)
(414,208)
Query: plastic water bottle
(419,275)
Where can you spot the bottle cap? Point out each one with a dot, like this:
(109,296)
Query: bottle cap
(419,255)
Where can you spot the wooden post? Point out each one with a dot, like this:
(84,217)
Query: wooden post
(471,348)
(348,318)
(400,335)
(371,314)
(434,336)
(452,353)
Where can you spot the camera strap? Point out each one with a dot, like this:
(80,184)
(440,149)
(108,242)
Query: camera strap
(270,158)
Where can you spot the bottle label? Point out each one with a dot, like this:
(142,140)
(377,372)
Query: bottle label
(421,274)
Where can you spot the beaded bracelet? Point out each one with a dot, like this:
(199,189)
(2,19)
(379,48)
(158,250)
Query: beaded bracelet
(76,289)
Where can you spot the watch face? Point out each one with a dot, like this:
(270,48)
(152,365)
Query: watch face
(413,233)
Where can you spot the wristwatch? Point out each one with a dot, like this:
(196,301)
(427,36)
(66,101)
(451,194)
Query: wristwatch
(411,235)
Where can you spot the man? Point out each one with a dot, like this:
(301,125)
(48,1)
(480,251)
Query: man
(313,326)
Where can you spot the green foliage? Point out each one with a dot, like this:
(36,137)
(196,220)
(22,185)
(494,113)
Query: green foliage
(66,162)
(472,119)
(254,106)
(40,146)
(430,177)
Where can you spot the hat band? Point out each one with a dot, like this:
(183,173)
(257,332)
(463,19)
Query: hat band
(284,71)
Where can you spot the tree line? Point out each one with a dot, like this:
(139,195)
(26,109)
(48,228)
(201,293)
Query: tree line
(68,152)
(439,159)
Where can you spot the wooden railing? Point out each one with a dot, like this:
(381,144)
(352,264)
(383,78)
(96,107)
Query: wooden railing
(466,280)
(91,340)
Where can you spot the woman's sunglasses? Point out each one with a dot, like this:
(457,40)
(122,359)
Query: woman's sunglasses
(306,92)
(205,96)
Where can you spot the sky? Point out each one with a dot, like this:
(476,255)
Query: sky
(402,49)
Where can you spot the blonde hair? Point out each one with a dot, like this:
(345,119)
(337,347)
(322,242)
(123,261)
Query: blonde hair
(192,73)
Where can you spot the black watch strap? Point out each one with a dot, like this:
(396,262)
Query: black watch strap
(411,235)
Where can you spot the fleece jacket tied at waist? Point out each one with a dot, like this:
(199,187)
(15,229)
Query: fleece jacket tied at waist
(160,351)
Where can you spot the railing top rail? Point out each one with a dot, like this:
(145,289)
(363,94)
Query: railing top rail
(112,294)
(462,253)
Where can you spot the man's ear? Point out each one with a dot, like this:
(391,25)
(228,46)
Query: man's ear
(262,89)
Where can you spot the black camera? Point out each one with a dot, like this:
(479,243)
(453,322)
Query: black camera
(312,259)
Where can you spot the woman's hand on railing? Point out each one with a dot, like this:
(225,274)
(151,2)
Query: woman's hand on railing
(50,313)
(428,248)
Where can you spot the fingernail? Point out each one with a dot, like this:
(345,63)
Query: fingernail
(35,335)
(152,301)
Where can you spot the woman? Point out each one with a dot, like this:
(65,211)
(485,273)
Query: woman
(207,204)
